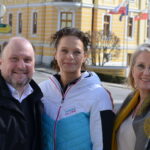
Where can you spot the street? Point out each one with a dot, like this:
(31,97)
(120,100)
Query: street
(118,92)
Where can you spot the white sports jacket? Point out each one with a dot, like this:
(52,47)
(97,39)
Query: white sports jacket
(79,119)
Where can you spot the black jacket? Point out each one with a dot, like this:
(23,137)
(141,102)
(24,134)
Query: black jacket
(13,123)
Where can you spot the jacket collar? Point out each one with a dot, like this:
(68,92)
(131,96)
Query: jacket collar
(5,92)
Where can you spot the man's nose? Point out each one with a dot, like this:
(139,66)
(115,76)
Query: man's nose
(21,64)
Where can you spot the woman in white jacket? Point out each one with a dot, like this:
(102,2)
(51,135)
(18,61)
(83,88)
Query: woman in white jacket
(78,110)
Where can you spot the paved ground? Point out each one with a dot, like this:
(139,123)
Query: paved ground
(48,70)
(118,91)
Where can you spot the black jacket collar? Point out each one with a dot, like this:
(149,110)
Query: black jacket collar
(5,92)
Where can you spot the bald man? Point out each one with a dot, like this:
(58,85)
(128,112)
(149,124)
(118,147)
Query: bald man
(20,97)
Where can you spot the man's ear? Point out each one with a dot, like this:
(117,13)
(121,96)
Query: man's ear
(0,62)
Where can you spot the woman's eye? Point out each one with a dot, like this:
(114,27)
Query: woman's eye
(64,50)
(140,67)
(77,52)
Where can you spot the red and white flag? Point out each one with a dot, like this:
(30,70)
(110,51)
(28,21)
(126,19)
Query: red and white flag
(120,9)
(142,16)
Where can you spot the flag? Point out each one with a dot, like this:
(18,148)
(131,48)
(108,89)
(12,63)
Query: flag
(116,10)
(125,12)
(142,16)
(120,9)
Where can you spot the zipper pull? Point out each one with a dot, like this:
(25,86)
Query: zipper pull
(62,101)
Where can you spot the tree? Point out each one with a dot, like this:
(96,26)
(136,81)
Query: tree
(104,46)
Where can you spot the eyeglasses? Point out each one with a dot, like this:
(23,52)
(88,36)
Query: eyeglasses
(142,67)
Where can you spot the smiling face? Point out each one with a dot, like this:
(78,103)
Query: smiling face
(141,72)
(17,63)
(70,55)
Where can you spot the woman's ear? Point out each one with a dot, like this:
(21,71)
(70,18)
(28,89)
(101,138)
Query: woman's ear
(132,71)
(85,57)
(55,57)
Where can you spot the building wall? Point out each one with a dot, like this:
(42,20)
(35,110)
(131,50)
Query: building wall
(87,16)
(48,22)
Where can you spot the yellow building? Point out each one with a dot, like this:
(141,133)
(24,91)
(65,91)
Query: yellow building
(37,20)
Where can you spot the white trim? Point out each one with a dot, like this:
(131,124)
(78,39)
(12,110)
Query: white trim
(67,4)
(146,32)
(40,44)
(111,8)
(46,60)
(132,1)
(73,19)
(70,4)
(107,67)
(57,4)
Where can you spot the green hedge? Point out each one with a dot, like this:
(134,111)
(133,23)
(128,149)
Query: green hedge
(111,78)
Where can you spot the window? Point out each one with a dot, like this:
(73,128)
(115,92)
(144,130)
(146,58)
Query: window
(20,23)
(66,19)
(148,29)
(34,27)
(130,27)
(106,26)
(10,19)
(129,59)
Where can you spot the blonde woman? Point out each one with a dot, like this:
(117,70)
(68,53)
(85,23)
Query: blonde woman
(132,124)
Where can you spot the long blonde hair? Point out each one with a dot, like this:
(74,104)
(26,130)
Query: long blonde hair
(140,49)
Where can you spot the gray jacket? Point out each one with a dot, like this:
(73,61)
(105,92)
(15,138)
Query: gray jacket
(141,123)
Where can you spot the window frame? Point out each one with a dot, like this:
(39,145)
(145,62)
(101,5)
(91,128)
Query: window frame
(65,11)
(10,21)
(19,23)
(34,25)
(131,26)
(148,29)
(104,22)
(66,21)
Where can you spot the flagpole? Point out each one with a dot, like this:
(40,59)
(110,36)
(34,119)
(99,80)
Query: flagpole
(124,42)
(149,20)
(126,31)
(124,36)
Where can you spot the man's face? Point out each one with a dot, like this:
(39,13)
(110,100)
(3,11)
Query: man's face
(17,63)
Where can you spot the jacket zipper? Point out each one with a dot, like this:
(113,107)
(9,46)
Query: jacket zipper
(58,113)
(55,125)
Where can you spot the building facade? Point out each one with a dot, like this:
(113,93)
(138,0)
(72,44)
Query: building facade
(37,20)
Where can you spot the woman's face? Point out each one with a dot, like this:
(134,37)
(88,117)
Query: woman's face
(141,72)
(70,55)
